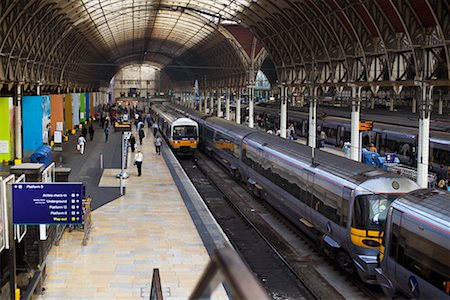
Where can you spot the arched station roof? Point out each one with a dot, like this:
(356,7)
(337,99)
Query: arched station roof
(84,42)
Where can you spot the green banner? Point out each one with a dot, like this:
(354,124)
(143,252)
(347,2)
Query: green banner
(7,126)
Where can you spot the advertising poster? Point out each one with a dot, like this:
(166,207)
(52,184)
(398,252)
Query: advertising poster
(45,119)
(32,123)
(68,111)
(82,107)
(7,129)
(56,112)
(88,105)
(75,109)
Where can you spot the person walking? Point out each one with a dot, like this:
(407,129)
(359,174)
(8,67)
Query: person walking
(140,124)
(84,131)
(138,158)
(81,143)
(155,128)
(158,143)
(141,135)
(149,121)
(322,138)
(106,130)
(132,142)
(91,131)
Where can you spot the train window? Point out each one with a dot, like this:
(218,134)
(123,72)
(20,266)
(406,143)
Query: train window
(370,211)
(423,257)
(224,142)
(184,131)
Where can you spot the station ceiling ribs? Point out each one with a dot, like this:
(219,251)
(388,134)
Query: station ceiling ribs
(84,42)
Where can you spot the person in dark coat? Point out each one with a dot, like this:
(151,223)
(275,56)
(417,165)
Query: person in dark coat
(132,143)
(84,132)
(91,131)
(141,135)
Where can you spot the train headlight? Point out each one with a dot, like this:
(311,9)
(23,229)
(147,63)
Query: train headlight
(371,243)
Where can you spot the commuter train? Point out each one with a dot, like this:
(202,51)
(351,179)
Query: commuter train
(181,133)
(340,203)
(386,137)
(415,256)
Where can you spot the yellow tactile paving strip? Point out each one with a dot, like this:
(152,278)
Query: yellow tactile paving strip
(147,228)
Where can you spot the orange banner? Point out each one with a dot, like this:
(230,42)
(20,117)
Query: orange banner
(56,112)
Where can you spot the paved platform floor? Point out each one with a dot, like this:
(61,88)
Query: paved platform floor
(147,228)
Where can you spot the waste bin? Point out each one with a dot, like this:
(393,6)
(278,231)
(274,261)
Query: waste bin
(42,155)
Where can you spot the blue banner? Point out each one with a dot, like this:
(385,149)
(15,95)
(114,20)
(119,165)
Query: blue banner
(47,203)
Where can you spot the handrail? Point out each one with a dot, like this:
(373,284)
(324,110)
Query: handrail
(35,283)
(156,291)
(226,266)
(87,219)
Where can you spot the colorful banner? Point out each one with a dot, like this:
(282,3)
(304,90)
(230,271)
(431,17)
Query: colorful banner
(91,104)
(35,122)
(68,111)
(75,109)
(88,105)
(82,107)
(7,129)
(57,113)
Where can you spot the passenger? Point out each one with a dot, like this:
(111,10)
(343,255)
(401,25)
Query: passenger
(270,131)
(81,143)
(84,132)
(442,176)
(322,138)
(413,156)
(155,128)
(132,143)
(149,121)
(138,158)
(158,143)
(106,130)
(278,132)
(91,131)
(140,124)
(372,148)
(141,135)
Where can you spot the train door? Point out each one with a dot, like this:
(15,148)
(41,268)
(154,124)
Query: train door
(377,141)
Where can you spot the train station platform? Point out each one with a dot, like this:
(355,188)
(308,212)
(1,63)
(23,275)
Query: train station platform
(160,222)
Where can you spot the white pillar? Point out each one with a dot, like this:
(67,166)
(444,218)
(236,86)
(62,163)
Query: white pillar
(219,103)
(227,104)
(440,105)
(38,90)
(372,102)
(18,125)
(283,112)
(206,93)
(391,103)
(238,105)
(200,102)
(424,139)
(312,119)
(355,152)
(414,104)
(251,89)
(211,102)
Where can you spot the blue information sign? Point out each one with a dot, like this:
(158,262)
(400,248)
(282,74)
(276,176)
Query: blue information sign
(47,203)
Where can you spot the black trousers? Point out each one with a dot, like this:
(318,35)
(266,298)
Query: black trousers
(139,167)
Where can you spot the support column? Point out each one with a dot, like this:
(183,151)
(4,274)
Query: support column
(355,151)
(372,102)
(238,105)
(211,102)
(18,124)
(424,137)
(206,93)
(227,104)
(312,119)
(283,111)
(391,104)
(414,103)
(219,102)
(251,90)
(440,105)
(200,102)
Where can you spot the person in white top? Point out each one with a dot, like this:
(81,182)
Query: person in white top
(81,143)
(138,158)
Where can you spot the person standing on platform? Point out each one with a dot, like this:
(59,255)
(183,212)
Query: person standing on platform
(91,131)
(140,124)
(141,135)
(372,148)
(106,130)
(155,128)
(138,158)
(322,138)
(81,143)
(149,121)
(84,131)
(158,143)
(132,142)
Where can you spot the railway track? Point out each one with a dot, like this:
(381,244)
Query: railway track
(272,247)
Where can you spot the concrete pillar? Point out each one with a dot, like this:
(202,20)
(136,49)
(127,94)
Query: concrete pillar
(227,104)
(219,102)
(238,105)
(251,121)
(372,102)
(440,105)
(211,101)
(200,100)
(391,104)
(312,119)
(414,103)
(38,90)
(355,151)
(18,124)
(424,137)
(283,111)
(206,92)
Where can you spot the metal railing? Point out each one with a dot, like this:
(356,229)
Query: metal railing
(226,266)
(156,291)
(87,219)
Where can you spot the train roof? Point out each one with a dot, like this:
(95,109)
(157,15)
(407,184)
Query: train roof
(342,167)
(169,114)
(192,113)
(229,127)
(427,204)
